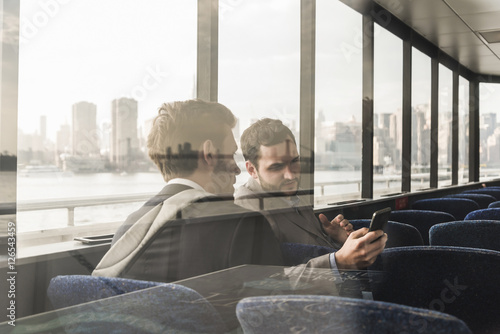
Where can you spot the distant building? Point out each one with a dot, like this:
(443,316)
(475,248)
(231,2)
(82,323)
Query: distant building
(124,143)
(85,137)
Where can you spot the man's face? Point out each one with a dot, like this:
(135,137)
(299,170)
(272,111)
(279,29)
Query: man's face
(226,169)
(278,168)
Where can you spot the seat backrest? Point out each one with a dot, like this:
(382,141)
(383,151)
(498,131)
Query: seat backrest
(495,192)
(399,234)
(483,200)
(484,214)
(467,233)
(458,207)
(422,220)
(330,314)
(494,205)
(459,281)
(295,253)
(169,308)
(68,290)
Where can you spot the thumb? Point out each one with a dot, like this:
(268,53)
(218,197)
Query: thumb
(324,220)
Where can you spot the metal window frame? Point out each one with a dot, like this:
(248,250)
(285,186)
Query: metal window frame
(368,93)
(9,83)
(207,72)
(307,92)
(455,127)
(407,116)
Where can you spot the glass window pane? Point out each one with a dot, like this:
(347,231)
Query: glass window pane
(89,84)
(445,125)
(421,120)
(338,102)
(259,64)
(463,130)
(489,131)
(388,101)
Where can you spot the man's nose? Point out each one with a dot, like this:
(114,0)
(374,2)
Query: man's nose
(289,174)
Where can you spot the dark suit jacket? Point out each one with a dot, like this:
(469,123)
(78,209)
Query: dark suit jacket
(220,237)
(290,224)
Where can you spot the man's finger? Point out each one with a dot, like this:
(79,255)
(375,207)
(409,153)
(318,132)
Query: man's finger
(323,219)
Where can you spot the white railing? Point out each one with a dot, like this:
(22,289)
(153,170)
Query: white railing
(71,204)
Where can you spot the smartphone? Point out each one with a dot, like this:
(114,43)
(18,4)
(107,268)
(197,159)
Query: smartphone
(380,219)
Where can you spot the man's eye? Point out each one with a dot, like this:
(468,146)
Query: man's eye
(275,167)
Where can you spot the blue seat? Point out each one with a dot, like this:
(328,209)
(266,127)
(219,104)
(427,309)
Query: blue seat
(467,233)
(494,205)
(399,234)
(422,220)
(295,253)
(457,207)
(68,290)
(495,192)
(329,314)
(168,308)
(483,200)
(459,281)
(484,214)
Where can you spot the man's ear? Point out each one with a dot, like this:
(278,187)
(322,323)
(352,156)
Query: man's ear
(251,169)
(209,153)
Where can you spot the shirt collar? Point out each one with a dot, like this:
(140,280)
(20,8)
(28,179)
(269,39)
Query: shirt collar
(186,182)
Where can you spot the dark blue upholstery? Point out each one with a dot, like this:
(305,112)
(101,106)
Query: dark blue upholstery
(467,233)
(488,191)
(459,281)
(64,291)
(169,308)
(494,205)
(295,253)
(398,234)
(458,207)
(484,214)
(483,200)
(422,220)
(338,315)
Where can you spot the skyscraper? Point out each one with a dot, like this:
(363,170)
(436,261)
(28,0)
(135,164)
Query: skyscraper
(124,144)
(85,137)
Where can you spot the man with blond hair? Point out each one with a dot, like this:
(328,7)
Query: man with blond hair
(192,226)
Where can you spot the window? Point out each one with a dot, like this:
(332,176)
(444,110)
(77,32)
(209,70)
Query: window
(89,84)
(388,100)
(421,120)
(259,74)
(338,102)
(445,125)
(463,130)
(489,131)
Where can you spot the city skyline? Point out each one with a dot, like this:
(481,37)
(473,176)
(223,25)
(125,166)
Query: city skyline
(338,144)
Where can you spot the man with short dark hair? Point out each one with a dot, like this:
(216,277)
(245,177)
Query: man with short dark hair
(273,162)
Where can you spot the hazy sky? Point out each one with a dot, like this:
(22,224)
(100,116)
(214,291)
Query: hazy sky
(97,51)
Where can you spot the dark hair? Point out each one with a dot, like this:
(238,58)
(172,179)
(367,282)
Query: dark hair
(180,129)
(265,132)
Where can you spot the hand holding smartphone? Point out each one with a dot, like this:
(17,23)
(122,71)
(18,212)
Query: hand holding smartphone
(379,220)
